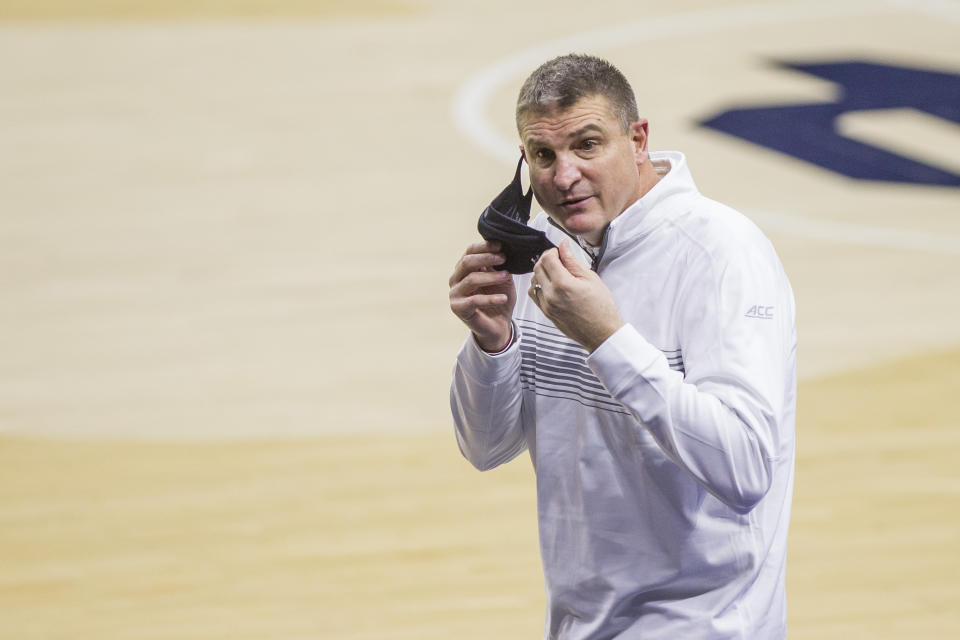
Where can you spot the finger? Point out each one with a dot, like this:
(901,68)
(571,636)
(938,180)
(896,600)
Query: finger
(476,280)
(484,247)
(471,262)
(467,307)
(569,259)
(540,273)
(535,294)
(482,310)
(550,265)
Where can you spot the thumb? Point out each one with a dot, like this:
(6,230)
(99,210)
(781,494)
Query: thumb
(569,260)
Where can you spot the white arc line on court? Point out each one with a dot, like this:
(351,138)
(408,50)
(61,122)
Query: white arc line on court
(471,100)
(946,9)
(855,234)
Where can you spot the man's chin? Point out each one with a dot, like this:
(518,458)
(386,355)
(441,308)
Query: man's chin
(584,225)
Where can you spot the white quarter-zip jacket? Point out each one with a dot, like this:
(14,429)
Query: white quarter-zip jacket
(664,460)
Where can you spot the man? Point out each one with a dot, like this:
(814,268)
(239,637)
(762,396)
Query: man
(650,372)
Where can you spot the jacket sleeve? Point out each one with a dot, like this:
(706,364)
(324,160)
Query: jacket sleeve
(485,398)
(722,418)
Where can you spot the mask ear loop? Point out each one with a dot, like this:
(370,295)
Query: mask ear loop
(505,221)
(512,201)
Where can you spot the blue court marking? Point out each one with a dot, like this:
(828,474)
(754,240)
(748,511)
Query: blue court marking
(809,131)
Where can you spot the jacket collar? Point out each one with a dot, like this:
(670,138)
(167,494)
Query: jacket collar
(668,197)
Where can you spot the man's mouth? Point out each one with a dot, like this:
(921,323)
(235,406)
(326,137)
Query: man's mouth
(572,202)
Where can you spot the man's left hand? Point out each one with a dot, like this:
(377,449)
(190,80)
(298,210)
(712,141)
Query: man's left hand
(574,298)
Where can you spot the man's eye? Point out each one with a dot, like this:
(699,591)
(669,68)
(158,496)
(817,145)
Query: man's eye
(543,155)
(588,145)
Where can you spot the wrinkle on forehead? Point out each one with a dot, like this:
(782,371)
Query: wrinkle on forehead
(562,124)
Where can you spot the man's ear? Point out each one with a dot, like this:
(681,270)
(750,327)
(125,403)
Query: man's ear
(639,135)
(523,153)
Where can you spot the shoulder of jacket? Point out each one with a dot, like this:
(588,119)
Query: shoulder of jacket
(718,230)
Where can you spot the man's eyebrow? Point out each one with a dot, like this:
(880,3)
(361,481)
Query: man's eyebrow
(588,128)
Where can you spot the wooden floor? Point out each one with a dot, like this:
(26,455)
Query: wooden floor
(225,234)
(395,536)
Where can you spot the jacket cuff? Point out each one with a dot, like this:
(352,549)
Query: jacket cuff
(621,358)
(490,368)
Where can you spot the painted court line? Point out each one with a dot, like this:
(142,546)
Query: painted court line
(471,101)
(856,234)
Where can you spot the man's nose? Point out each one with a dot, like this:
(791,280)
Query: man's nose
(566,173)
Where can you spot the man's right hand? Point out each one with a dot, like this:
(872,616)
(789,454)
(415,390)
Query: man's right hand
(482,296)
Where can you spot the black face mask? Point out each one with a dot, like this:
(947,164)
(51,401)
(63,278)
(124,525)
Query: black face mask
(505,221)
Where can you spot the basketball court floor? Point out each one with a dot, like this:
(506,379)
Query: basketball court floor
(226,230)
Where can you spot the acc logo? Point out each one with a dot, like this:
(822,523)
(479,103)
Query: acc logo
(809,131)
(759,311)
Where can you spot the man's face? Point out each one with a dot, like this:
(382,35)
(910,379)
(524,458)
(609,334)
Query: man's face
(583,167)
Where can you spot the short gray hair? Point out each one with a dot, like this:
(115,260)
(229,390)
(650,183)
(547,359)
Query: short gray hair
(561,82)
